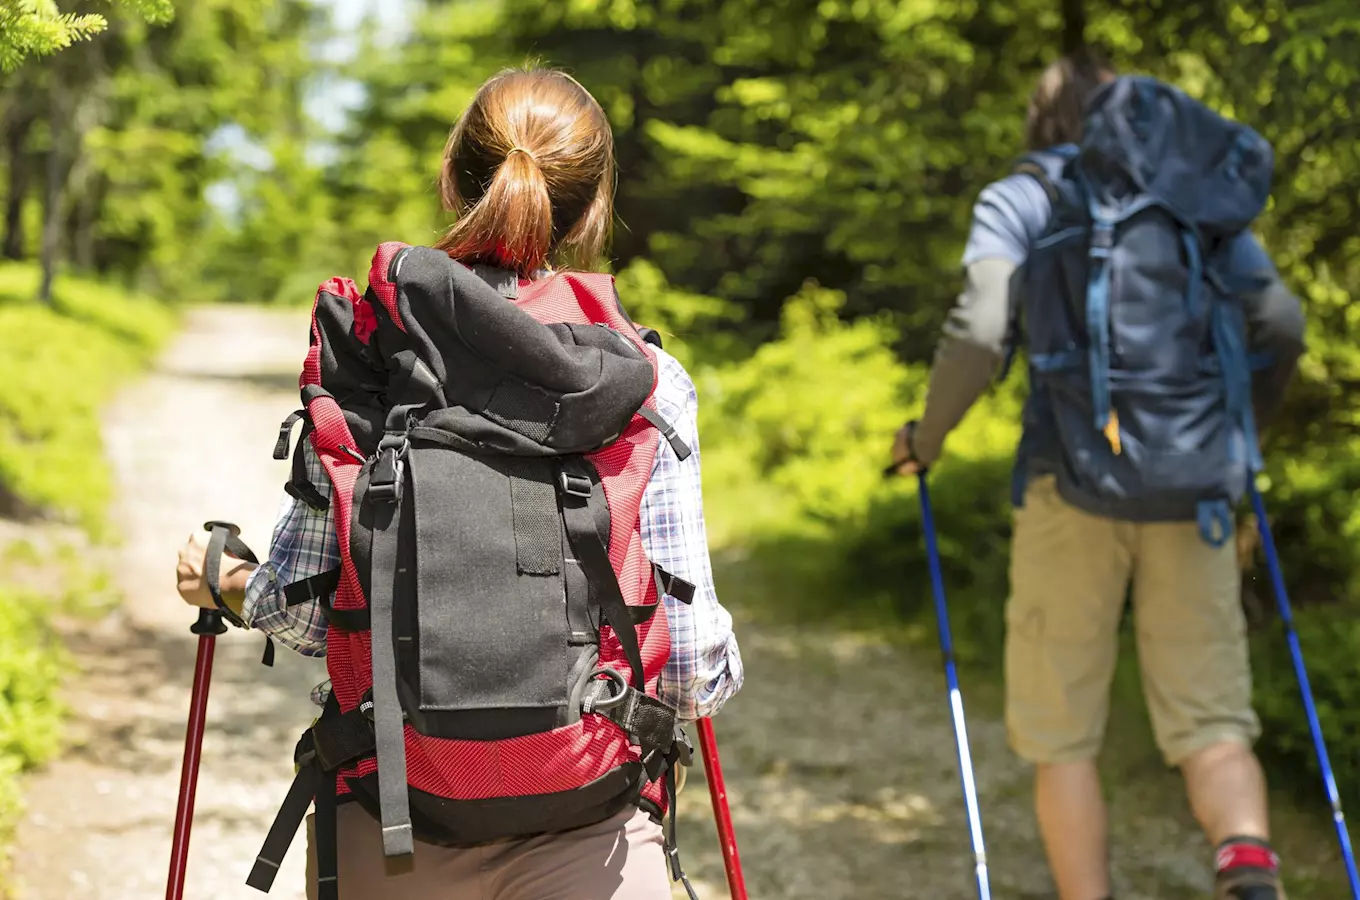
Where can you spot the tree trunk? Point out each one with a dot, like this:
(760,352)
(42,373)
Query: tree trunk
(16,136)
(82,182)
(1074,25)
(55,194)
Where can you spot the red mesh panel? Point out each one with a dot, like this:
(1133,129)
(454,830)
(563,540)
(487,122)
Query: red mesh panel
(311,366)
(330,432)
(377,280)
(655,791)
(560,760)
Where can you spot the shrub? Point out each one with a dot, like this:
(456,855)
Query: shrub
(32,661)
(59,365)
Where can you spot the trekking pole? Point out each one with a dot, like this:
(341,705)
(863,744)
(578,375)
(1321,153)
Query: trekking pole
(225,537)
(722,812)
(1310,707)
(955,697)
(208,627)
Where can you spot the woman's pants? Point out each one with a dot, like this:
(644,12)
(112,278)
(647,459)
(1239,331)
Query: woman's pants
(621,858)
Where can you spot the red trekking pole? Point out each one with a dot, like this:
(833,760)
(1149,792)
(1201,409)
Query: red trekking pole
(208,627)
(722,812)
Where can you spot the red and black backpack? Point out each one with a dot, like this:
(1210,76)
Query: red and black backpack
(494,641)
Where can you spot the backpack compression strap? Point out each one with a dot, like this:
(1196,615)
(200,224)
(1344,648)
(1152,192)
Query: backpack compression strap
(299,486)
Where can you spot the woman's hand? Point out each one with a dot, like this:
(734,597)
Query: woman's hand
(193,586)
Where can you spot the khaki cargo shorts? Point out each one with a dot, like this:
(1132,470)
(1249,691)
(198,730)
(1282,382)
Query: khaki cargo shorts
(1070,572)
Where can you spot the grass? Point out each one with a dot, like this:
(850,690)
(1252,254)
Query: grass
(59,365)
(32,663)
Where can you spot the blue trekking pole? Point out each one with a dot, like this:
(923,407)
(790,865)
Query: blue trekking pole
(955,697)
(1296,652)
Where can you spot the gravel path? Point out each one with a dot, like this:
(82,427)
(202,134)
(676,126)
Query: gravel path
(839,754)
(189,442)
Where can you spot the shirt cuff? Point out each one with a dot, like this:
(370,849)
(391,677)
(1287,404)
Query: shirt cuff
(261,586)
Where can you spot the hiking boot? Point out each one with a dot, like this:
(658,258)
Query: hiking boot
(1248,883)
(1247,870)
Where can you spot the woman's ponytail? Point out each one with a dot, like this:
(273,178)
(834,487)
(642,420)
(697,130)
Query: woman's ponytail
(529,171)
(511,224)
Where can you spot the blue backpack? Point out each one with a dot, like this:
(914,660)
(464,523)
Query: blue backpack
(1133,324)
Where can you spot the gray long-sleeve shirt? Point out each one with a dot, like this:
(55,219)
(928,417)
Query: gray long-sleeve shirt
(1009,216)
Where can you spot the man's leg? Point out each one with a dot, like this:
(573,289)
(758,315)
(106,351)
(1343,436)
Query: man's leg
(1069,575)
(1196,672)
(1073,822)
(1227,792)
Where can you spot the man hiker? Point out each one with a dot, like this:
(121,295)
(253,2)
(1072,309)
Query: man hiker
(1102,502)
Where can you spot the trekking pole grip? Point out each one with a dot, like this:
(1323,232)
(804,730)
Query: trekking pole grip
(209,624)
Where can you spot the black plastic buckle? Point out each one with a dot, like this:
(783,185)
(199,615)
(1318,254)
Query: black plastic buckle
(304,754)
(683,748)
(574,485)
(384,485)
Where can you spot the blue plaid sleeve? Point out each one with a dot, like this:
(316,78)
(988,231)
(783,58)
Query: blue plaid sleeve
(705,665)
(303,545)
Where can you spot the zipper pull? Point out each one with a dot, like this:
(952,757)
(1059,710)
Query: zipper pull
(1112,433)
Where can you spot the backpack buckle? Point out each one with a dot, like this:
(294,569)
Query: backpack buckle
(574,485)
(384,485)
(683,748)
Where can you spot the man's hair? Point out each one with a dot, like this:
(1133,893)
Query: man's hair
(1058,104)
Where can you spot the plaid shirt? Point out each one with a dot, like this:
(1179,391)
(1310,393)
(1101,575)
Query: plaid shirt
(705,665)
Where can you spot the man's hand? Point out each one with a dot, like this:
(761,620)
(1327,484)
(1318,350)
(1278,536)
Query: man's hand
(904,456)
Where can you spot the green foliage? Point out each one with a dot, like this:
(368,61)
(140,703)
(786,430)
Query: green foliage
(809,413)
(38,28)
(60,365)
(143,122)
(1330,638)
(694,328)
(32,662)
(795,440)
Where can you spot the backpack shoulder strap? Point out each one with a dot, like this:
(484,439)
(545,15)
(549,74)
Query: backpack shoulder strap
(1036,171)
(1047,167)
(381,278)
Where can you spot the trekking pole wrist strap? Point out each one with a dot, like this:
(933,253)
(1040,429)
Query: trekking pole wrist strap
(225,538)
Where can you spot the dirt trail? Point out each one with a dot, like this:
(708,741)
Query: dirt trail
(839,752)
(189,442)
